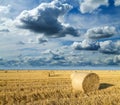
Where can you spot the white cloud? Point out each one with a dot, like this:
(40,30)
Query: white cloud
(45,19)
(62,57)
(4,10)
(4,30)
(86,45)
(117,2)
(110,47)
(21,43)
(88,6)
(101,32)
(109,61)
(19,5)
(117,59)
(1,58)
(5,21)
(103,47)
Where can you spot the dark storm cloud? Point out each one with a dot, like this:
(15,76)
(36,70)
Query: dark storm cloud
(46,19)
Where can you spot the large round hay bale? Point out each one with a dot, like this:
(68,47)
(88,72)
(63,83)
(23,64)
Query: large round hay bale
(85,82)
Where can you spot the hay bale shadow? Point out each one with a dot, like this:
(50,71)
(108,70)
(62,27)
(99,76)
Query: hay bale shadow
(105,85)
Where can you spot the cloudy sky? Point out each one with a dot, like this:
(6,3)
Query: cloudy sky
(59,34)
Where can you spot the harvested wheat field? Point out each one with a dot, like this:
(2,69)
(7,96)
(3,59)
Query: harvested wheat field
(42,87)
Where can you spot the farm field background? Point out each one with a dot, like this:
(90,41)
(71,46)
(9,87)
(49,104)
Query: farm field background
(48,87)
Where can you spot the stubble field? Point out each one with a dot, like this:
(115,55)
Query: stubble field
(43,87)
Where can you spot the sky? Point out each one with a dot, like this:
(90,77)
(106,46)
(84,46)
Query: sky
(59,34)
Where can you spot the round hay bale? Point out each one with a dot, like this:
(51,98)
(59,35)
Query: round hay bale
(85,82)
